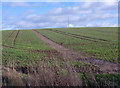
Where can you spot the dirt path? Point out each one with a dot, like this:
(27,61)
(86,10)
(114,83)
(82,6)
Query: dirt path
(104,66)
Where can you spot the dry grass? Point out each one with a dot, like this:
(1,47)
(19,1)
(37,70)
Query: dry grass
(41,74)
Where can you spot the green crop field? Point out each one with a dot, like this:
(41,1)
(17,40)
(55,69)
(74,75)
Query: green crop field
(21,52)
(99,43)
(29,58)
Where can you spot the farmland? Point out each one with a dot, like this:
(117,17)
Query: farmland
(42,56)
(23,45)
(91,41)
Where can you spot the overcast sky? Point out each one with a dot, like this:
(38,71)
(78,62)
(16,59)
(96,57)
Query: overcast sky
(27,15)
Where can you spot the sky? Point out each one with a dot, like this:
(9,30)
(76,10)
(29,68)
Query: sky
(36,15)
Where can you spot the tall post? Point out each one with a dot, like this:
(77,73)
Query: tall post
(68,21)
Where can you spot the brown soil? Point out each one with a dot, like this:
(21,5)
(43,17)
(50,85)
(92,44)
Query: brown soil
(105,66)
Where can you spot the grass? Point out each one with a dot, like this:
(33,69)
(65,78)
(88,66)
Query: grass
(103,80)
(108,79)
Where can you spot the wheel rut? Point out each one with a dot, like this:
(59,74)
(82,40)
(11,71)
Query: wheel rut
(105,66)
(15,37)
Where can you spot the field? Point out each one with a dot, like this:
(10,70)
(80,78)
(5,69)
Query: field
(61,57)
(94,42)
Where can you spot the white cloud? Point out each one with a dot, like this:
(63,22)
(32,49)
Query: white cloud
(110,3)
(105,24)
(8,27)
(87,5)
(22,4)
(16,4)
(71,25)
(90,25)
(109,0)
(86,15)
(57,10)
(58,0)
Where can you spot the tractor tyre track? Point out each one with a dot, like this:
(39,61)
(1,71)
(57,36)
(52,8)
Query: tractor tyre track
(105,66)
(48,53)
(14,40)
(79,36)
